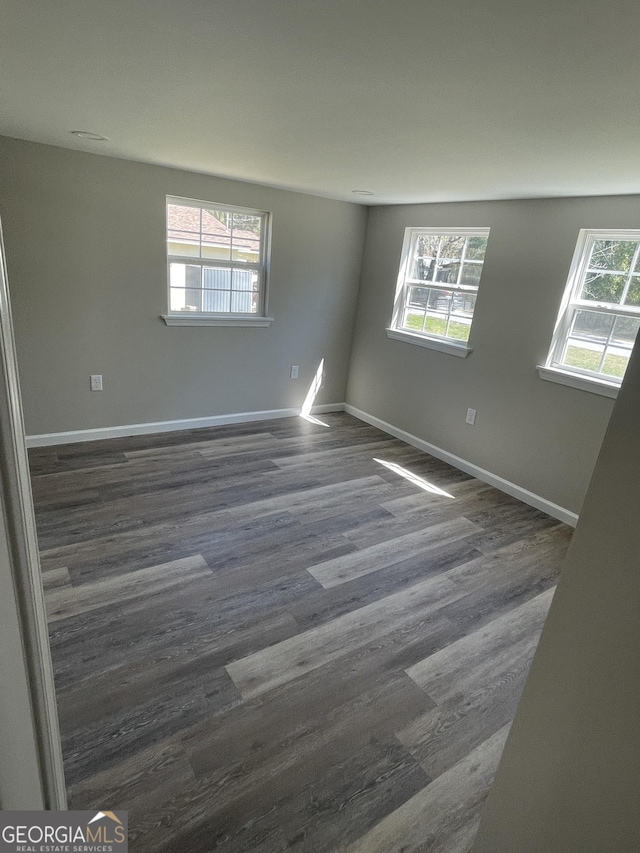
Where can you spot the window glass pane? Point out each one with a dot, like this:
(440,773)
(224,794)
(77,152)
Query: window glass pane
(413,319)
(183,230)
(587,339)
(216,300)
(427,245)
(176,300)
(452,246)
(447,271)
(177,275)
(243,302)
(592,326)
(246,224)
(423,268)
(583,356)
(463,304)
(244,297)
(604,287)
(216,247)
(418,296)
(615,363)
(471,274)
(216,234)
(633,294)
(612,255)
(243,280)
(625,331)
(476,247)
(436,325)
(438,300)
(458,329)
(185,289)
(183,245)
(216,294)
(246,237)
(214,278)
(246,248)
(216,221)
(427,310)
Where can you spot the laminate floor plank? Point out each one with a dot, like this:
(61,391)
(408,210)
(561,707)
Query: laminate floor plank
(56,578)
(283,636)
(328,808)
(318,744)
(325,604)
(267,669)
(487,652)
(194,628)
(62,603)
(328,457)
(162,768)
(96,745)
(443,817)
(392,550)
(421,500)
(230,445)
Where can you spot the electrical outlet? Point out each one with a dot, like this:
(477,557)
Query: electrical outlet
(471,416)
(96,382)
(294,371)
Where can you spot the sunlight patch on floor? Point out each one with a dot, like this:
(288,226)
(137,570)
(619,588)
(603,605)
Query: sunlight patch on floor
(414,478)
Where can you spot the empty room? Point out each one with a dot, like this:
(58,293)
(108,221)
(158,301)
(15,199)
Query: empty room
(319,424)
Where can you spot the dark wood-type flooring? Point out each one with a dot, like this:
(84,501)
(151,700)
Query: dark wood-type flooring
(265,639)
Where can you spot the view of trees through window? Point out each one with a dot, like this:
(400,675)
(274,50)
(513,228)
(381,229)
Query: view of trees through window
(439,291)
(604,314)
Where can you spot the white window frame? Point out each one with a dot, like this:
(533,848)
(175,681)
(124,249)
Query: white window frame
(576,377)
(429,340)
(220,318)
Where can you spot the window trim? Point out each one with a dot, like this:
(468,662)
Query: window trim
(578,380)
(576,377)
(441,343)
(215,318)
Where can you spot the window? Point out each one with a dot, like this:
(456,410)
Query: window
(600,312)
(437,286)
(217,264)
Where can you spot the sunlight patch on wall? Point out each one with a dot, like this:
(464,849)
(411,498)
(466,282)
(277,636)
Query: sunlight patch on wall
(312,393)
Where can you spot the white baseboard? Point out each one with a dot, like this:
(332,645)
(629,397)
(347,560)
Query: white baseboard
(507,486)
(76,435)
(49,439)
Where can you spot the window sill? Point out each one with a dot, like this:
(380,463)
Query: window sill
(461,350)
(193,319)
(575,380)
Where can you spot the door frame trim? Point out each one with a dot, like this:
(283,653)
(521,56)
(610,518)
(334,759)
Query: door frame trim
(17,505)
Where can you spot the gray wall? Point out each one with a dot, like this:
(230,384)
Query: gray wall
(541,436)
(86,256)
(568,780)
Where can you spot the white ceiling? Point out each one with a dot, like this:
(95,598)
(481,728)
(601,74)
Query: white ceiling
(414,100)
